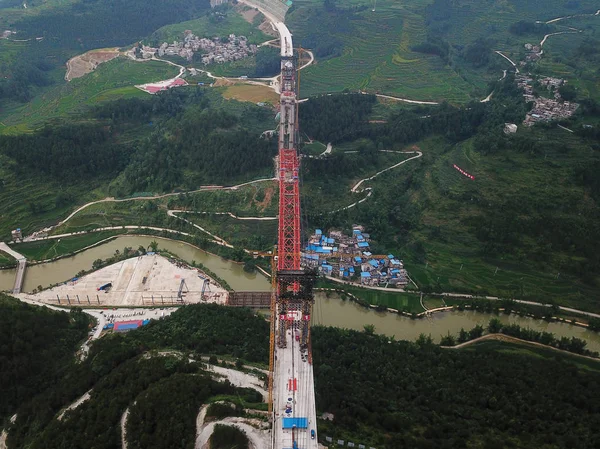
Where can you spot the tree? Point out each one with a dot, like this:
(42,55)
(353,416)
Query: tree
(494,326)
(369,329)
(476,332)
(567,92)
(448,340)
(154,246)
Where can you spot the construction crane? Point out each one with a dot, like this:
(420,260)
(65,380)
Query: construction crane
(205,286)
(180,293)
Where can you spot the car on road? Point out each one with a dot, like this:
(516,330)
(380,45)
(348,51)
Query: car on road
(312,433)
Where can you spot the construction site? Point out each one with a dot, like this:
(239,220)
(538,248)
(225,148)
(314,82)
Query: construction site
(149,280)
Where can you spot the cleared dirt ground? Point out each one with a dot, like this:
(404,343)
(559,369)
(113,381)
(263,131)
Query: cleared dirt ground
(140,281)
(83,64)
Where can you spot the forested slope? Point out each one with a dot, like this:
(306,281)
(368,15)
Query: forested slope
(384,393)
(119,370)
(406,395)
(525,227)
(37,347)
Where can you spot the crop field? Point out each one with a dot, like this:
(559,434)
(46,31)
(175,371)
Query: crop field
(252,93)
(257,235)
(115,214)
(314,149)
(377,55)
(48,249)
(377,58)
(6,259)
(407,302)
(491,19)
(454,259)
(233,22)
(325,194)
(560,57)
(112,80)
(251,200)
(29,201)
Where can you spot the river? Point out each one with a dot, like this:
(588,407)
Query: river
(348,314)
(327,311)
(66,268)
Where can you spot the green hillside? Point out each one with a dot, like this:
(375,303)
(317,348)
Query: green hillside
(489,394)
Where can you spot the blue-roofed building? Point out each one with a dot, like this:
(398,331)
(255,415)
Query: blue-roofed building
(363,244)
(365,278)
(373,263)
(326,269)
(390,256)
(358,259)
(360,238)
(356,231)
(351,270)
(318,232)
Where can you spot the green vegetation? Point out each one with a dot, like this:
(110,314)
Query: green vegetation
(440,50)
(164,415)
(218,22)
(60,31)
(112,80)
(575,57)
(193,150)
(251,234)
(404,302)
(49,249)
(228,437)
(477,397)
(220,410)
(509,232)
(37,348)
(119,372)
(361,49)
(7,260)
(502,385)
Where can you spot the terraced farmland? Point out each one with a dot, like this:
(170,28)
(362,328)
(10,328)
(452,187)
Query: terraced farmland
(111,81)
(377,58)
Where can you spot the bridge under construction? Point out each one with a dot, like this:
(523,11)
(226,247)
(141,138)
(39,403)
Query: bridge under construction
(291,384)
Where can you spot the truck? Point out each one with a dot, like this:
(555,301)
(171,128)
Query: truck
(105,287)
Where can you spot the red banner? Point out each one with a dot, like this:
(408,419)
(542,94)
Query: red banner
(464,172)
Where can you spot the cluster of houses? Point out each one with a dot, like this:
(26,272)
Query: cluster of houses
(349,258)
(214,51)
(534,53)
(545,109)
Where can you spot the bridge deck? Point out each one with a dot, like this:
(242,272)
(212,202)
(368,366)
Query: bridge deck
(22,264)
(293,380)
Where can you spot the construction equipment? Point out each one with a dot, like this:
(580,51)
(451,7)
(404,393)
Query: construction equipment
(205,286)
(180,293)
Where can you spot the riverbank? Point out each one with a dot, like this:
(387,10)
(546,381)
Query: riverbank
(519,341)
